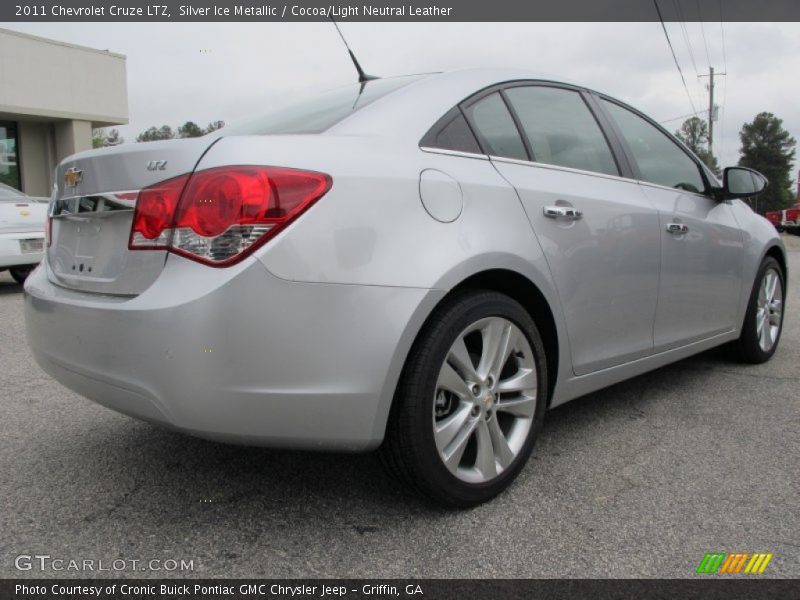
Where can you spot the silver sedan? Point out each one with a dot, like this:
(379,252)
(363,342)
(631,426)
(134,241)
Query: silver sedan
(423,264)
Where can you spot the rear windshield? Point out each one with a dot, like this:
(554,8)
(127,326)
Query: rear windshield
(322,111)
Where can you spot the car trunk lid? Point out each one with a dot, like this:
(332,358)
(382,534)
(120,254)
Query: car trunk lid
(93,211)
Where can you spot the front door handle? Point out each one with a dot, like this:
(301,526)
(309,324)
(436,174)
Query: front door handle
(677,228)
(562,212)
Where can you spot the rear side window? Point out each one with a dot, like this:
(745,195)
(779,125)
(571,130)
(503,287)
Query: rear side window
(660,160)
(496,128)
(320,111)
(452,133)
(561,129)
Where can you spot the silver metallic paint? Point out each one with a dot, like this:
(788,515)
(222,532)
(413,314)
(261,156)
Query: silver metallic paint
(303,343)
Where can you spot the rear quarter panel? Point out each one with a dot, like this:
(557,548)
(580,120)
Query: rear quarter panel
(372,229)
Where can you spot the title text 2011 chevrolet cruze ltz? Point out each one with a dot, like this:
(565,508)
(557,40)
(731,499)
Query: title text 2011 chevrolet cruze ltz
(424,264)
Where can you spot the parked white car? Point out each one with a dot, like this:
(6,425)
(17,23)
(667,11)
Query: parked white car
(22,231)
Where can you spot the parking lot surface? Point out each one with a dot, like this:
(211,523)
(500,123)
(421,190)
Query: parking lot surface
(638,480)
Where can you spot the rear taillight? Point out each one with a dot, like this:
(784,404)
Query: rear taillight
(219,216)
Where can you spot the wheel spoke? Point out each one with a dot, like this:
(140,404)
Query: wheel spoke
(460,359)
(770,283)
(450,380)
(765,335)
(760,320)
(496,347)
(502,451)
(524,379)
(452,458)
(452,428)
(485,461)
(522,407)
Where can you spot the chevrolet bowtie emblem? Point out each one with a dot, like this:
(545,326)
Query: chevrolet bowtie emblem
(73,176)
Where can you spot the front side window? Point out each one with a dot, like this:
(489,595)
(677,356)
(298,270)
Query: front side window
(660,160)
(561,129)
(495,126)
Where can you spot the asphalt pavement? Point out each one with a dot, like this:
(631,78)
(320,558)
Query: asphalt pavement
(638,480)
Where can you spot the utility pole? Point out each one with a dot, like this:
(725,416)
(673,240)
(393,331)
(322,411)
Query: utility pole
(711,107)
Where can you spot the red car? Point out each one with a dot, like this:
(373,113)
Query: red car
(786,220)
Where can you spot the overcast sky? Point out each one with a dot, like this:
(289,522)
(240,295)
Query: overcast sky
(205,72)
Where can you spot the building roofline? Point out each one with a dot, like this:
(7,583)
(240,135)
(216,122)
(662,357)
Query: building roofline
(60,43)
(21,113)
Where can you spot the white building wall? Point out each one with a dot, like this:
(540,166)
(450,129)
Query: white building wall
(37,157)
(45,78)
(57,93)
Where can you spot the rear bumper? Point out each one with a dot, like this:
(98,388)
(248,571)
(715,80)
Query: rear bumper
(234,354)
(11,254)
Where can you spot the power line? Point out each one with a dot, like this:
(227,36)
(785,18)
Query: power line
(703,32)
(722,31)
(682,117)
(724,84)
(685,33)
(675,58)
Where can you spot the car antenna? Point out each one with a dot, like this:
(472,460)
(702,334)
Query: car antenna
(363,78)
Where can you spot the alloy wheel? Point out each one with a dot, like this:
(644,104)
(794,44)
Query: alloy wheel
(769,309)
(485,400)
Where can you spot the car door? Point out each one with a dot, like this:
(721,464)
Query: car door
(598,232)
(701,244)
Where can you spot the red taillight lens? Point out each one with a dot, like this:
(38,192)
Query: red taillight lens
(155,211)
(219,216)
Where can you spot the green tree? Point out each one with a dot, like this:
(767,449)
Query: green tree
(694,133)
(190,129)
(214,125)
(769,149)
(153,134)
(99,138)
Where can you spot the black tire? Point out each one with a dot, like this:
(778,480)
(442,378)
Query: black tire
(20,274)
(409,450)
(747,347)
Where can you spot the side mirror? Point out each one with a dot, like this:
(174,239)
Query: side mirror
(741,182)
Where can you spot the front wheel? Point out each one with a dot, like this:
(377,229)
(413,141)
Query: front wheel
(470,401)
(764,319)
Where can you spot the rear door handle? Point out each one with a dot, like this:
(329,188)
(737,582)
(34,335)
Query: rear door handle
(562,212)
(677,228)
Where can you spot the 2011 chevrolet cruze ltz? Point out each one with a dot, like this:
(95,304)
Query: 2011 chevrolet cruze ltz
(423,263)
